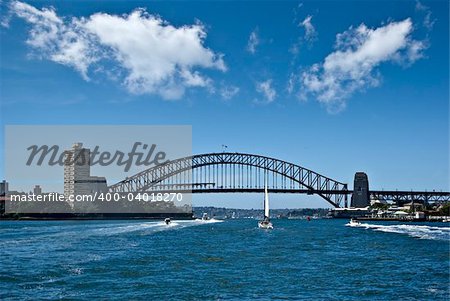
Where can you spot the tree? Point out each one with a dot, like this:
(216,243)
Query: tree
(380,206)
(445,210)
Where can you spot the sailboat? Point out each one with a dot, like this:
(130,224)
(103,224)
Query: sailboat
(265,223)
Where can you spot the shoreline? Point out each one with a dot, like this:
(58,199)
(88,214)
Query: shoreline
(412,220)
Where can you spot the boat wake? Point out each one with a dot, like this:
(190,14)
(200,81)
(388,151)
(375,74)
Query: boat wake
(416,231)
(171,224)
(86,230)
(147,227)
(208,221)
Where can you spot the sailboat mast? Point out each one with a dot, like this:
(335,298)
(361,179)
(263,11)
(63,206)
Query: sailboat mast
(266,200)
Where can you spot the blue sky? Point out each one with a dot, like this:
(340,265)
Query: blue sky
(335,86)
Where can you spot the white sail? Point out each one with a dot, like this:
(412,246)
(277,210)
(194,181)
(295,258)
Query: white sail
(266,201)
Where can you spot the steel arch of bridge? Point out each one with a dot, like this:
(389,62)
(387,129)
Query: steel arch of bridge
(157,179)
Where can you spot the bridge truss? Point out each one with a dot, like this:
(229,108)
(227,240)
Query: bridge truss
(402,197)
(234,172)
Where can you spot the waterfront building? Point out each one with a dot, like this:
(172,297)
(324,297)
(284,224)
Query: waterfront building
(77,173)
(413,206)
(3,192)
(37,189)
(349,212)
(4,187)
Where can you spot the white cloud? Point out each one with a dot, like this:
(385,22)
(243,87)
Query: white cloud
(253,41)
(158,58)
(5,16)
(353,64)
(309,35)
(420,6)
(228,92)
(266,89)
(292,83)
(52,38)
(428,21)
(310,30)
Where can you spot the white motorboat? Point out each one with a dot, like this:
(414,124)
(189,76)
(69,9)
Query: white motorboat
(353,222)
(167,221)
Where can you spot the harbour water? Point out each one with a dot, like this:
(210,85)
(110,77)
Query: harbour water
(229,260)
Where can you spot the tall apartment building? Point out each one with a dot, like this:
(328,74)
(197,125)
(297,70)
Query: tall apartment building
(77,172)
(3,193)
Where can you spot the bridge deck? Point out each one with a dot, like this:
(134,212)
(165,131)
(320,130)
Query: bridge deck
(391,195)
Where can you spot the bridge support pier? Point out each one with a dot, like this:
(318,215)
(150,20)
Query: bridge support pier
(360,196)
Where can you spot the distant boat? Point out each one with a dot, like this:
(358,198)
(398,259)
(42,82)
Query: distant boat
(265,223)
(167,221)
(205,216)
(353,222)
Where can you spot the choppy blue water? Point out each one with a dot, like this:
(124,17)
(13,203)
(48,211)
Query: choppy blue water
(131,260)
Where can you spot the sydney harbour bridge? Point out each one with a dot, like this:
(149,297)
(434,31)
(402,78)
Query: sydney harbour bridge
(243,173)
